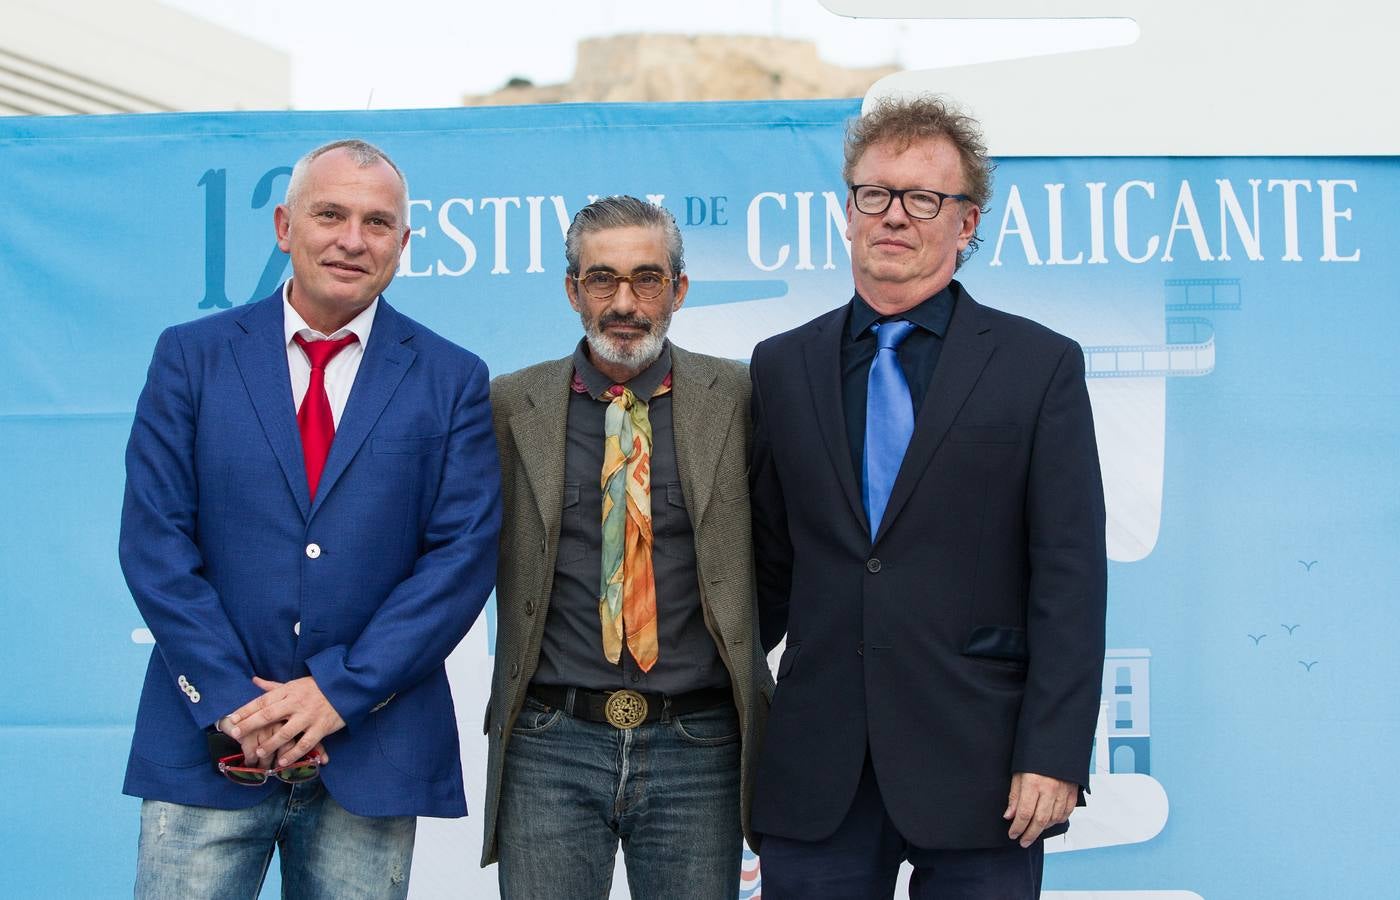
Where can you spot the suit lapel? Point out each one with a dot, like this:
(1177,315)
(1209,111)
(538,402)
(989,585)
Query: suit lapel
(386,360)
(540,434)
(696,414)
(823,355)
(261,355)
(965,353)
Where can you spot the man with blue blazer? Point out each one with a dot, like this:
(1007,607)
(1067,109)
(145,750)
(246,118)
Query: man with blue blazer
(929,534)
(309,528)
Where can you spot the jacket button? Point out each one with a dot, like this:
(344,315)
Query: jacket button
(529,607)
(515,670)
(313,551)
(872,565)
(296,629)
(860,648)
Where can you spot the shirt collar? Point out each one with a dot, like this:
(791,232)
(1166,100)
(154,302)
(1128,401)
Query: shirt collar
(642,385)
(293,324)
(932,314)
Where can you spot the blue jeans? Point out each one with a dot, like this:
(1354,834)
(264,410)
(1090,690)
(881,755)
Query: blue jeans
(860,861)
(327,853)
(668,791)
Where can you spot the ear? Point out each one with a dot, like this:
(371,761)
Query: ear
(850,214)
(682,285)
(282,221)
(571,288)
(969,225)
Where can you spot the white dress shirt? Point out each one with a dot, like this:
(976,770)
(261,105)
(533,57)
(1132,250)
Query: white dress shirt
(341,370)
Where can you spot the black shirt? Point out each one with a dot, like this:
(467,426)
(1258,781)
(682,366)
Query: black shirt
(571,653)
(918,356)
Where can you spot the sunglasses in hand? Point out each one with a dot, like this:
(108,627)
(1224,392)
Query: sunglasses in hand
(234,769)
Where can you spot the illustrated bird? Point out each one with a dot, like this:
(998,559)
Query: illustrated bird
(1257,638)
(1307,565)
(1290,628)
(1307,665)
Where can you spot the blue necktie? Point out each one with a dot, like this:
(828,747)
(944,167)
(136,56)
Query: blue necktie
(889,419)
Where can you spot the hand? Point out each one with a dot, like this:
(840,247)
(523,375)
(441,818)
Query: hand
(1035,803)
(249,741)
(301,714)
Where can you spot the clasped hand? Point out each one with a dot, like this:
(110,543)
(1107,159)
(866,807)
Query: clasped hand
(288,720)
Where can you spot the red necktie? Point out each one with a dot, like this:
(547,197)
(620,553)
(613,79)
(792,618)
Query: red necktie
(314,419)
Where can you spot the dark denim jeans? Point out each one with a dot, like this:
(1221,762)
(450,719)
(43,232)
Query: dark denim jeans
(668,791)
(327,852)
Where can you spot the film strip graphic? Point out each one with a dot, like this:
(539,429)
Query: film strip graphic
(1188,294)
(1189,350)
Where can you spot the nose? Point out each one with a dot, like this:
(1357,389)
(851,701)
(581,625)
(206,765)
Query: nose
(351,238)
(624,301)
(896,214)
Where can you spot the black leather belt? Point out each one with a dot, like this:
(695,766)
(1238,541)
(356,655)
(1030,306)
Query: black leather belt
(628,709)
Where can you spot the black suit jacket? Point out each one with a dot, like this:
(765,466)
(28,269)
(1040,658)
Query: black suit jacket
(966,642)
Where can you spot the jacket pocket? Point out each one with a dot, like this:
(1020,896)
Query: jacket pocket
(998,643)
(408,445)
(985,434)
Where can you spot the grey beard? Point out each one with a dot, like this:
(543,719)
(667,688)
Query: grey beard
(638,356)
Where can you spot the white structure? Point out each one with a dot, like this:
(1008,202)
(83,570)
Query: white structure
(1204,78)
(91,56)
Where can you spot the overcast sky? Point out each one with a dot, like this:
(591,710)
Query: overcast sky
(353,54)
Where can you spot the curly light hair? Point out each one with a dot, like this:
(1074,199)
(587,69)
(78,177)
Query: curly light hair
(901,121)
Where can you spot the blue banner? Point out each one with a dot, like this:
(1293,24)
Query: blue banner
(1237,318)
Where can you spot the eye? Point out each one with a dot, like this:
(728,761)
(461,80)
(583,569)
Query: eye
(648,281)
(600,281)
(922,202)
(873,195)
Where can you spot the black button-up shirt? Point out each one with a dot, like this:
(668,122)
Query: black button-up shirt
(571,654)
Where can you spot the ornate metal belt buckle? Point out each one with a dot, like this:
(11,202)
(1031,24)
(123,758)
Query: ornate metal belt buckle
(625,709)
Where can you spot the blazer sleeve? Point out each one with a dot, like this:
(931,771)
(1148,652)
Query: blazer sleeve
(160,556)
(772,542)
(1068,582)
(427,614)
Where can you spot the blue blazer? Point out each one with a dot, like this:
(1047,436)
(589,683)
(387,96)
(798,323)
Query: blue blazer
(965,642)
(237,572)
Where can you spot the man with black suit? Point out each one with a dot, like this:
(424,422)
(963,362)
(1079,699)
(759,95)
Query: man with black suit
(310,522)
(929,534)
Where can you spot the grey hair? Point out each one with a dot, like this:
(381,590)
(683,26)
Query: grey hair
(623,211)
(363,153)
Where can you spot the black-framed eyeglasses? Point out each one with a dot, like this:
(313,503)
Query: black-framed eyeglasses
(601,285)
(919,203)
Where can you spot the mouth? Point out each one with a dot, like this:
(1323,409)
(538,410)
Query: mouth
(344,268)
(625,328)
(892,244)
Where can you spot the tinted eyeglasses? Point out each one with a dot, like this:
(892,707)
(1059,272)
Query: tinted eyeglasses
(919,203)
(602,285)
(234,770)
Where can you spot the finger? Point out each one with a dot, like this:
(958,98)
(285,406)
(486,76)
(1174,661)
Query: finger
(1025,808)
(321,752)
(301,749)
(1064,805)
(287,733)
(264,684)
(247,723)
(1011,796)
(1039,821)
